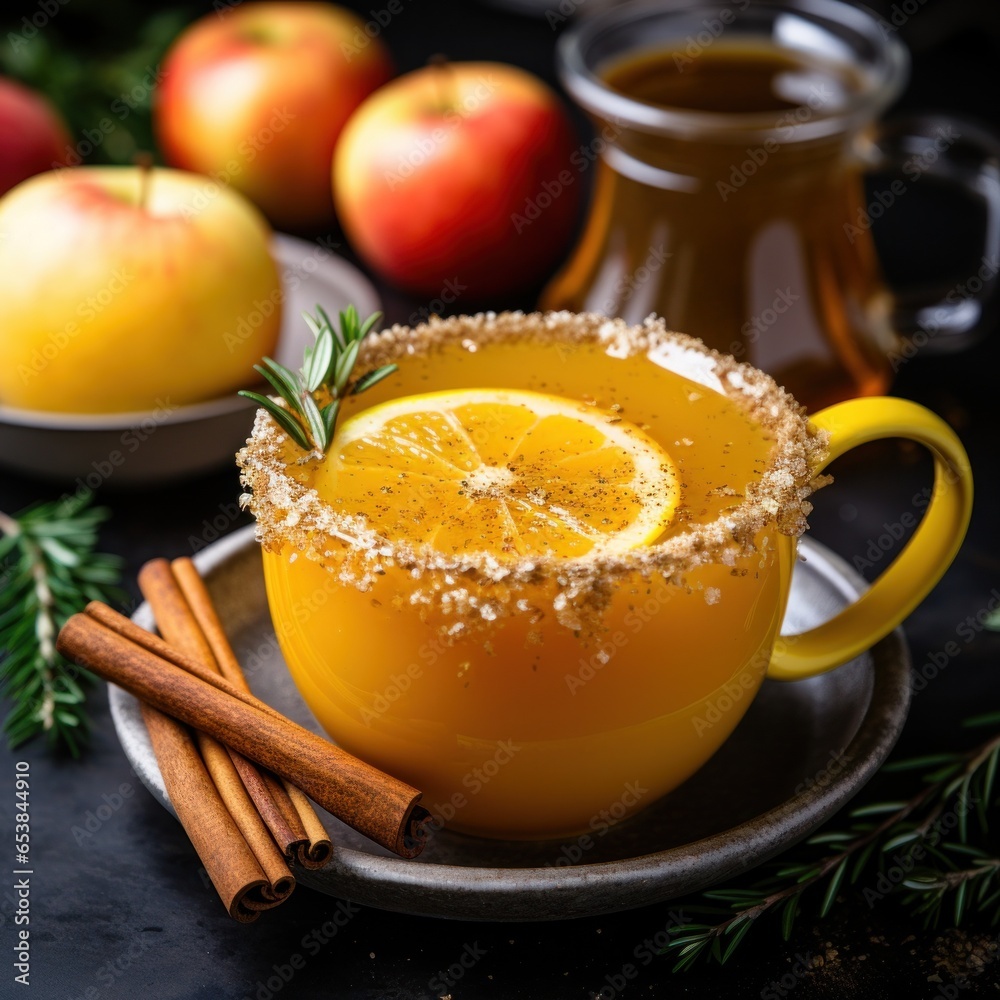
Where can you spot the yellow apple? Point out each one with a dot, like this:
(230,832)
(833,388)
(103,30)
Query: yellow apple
(257,95)
(432,170)
(124,289)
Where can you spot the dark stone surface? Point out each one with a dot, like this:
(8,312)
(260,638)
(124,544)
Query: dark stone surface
(120,911)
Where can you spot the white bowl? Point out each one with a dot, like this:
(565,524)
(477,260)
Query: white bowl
(89,449)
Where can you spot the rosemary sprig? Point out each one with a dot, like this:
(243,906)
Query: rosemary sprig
(50,571)
(325,375)
(937,871)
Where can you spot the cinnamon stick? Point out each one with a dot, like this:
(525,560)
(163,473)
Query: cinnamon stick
(179,628)
(311,847)
(193,589)
(375,804)
(173,616)
(175,759)
(318,849)
(249,810)
(276,789)
(230,863)
(136,634)
(231,790)
(252,778)
(186,618)
(152,642)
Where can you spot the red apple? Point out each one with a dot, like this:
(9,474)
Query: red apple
(125,291)
(33,136)
(256,96)
(434,170)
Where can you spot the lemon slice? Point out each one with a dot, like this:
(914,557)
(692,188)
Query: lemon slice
(501,471)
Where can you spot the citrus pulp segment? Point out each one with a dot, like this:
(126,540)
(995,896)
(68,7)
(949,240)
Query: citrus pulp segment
(501,471)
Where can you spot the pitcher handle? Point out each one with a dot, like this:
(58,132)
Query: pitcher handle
(965,156)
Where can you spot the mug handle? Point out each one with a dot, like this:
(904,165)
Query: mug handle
(966,156)
(924,559)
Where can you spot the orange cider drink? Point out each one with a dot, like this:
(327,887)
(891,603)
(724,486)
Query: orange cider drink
(541,572)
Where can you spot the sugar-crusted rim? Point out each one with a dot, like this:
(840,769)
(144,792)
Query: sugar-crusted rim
(481,586)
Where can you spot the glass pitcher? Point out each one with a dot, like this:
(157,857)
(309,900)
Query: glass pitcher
(743,219)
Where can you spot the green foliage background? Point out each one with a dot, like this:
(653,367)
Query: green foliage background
(97,61)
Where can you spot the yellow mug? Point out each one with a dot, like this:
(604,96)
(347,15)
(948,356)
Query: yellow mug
(590,690)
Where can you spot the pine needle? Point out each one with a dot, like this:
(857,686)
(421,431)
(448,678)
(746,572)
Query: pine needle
(50,571)
(945,878)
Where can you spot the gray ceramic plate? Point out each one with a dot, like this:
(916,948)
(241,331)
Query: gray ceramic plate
(801,752)
(134,448)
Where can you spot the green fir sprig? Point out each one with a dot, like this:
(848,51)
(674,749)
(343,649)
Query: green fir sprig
(313,395)
(935,843)
(49,571)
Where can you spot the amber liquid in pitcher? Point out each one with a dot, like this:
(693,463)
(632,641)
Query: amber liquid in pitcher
(750,241)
